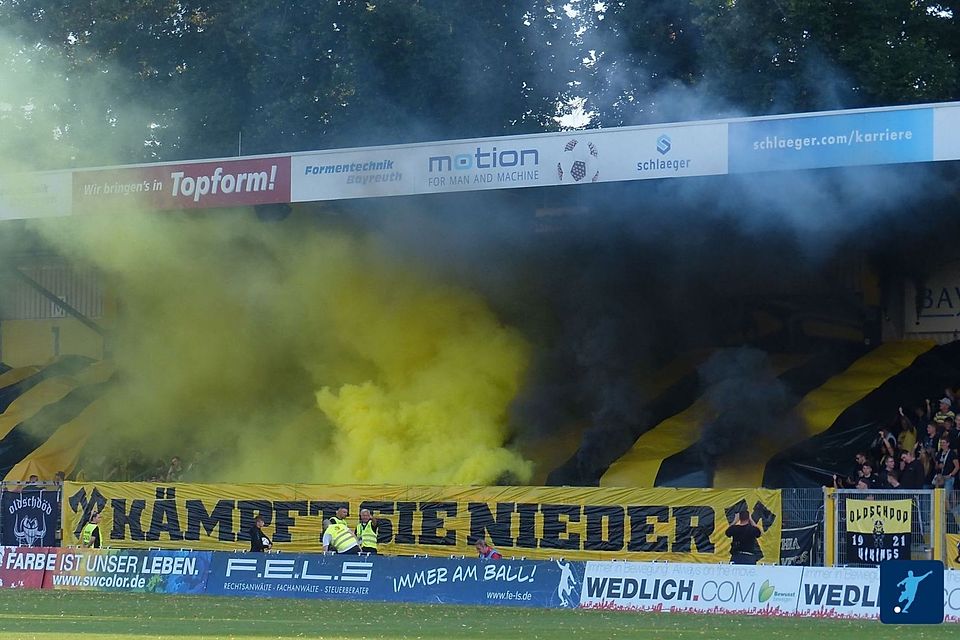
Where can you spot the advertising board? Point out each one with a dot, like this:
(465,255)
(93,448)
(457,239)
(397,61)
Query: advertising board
(154,570)
(465,581)
(23,567)
(833,140)
(192,185)
(755,590)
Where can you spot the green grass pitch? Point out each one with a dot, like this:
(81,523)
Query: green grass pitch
(48,615)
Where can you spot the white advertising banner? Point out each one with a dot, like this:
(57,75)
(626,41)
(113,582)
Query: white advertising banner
(509,162)
(830,592)
(951,596)
(946,133)
(935,308)
(817,592)
(693,588)
(35,195)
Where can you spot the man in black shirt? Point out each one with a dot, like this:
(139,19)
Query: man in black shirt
(850,480)
(867,481)
(259,542)
(743,544)
(913,475)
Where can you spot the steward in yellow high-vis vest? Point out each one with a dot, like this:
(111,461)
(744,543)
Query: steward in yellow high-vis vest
(367,532)
(341,516)
(340,538)
(90,534)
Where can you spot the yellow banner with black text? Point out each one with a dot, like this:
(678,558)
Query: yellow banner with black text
(952,557)
(878,530)
(682,525)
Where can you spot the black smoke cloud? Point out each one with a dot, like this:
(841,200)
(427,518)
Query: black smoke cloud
(747,402)
(611,282)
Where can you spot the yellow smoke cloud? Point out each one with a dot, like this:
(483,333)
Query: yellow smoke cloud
(446,373)
(276,351)
(291,353)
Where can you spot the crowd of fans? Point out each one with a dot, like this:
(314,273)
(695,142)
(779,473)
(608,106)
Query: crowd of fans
(918,449)
(137,467)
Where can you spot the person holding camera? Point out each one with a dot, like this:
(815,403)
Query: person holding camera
(744,532)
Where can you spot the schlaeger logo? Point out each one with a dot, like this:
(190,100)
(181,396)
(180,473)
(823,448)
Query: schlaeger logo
(911,592)
(663,146)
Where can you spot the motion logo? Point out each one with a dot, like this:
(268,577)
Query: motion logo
(911,592)
(580,160)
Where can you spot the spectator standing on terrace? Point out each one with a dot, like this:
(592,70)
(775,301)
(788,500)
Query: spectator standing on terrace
(90,534)
(175,470)
(907,438)
(850,480)
(950,393)
(743,534)
(930,440)
(867,481)
(945,411)
(929,466)
(259,542)
(885,444)
(888,478)
(912,474)
(920,418)
(58,478)
(950,433)
(485,551)
(947,466)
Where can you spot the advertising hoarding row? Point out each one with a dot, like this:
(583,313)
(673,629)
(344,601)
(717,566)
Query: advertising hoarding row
(744,145)
(610,585)
(111,570)
(466,581)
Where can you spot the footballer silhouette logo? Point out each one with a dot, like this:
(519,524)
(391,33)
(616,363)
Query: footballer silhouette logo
(579,162)
(911,592)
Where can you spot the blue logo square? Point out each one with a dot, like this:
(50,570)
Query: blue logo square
(911,592)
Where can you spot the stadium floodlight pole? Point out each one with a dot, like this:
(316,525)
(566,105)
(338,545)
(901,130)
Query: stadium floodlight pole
(55,299)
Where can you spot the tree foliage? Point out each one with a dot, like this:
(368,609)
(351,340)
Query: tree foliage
(142,80)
